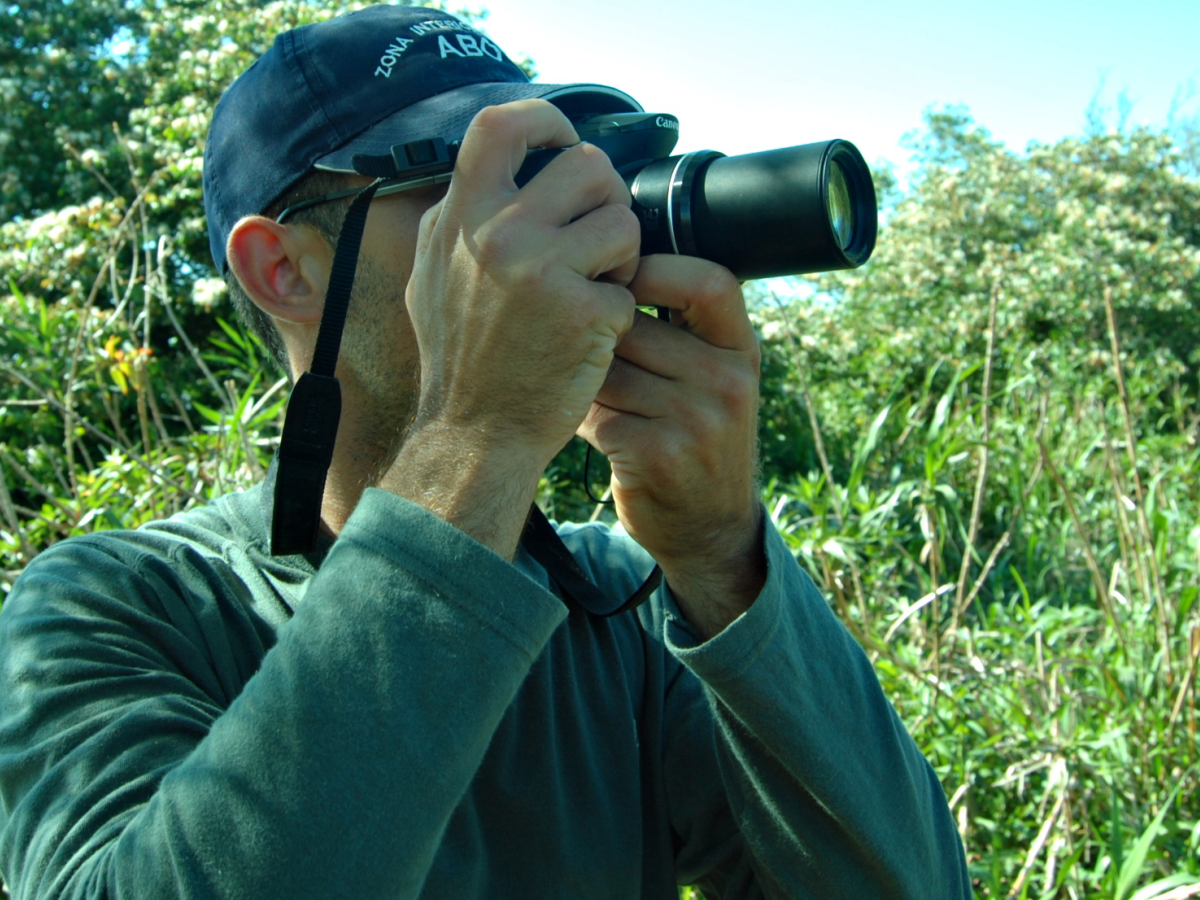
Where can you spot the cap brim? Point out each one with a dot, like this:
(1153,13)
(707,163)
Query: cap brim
(448,115)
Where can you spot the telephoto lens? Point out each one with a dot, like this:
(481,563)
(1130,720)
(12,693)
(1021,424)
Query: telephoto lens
(792,211)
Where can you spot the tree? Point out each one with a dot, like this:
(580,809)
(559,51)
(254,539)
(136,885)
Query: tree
(66,82)
(117,368)
(1049,232)
(1006,517)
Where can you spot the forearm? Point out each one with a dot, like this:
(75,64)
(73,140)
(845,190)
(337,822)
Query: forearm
(831,795)
(334,770)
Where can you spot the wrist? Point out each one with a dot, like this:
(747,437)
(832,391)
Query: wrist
(479,485)
(712,588)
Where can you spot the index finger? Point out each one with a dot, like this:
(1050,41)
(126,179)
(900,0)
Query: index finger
(498,139)
(707,296)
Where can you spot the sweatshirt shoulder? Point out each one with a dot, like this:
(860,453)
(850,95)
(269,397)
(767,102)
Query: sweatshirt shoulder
(209,557)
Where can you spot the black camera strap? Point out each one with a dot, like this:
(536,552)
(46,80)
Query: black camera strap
(542,542)
(315,406)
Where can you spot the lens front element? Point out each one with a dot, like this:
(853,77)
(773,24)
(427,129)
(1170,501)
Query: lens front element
(838,205)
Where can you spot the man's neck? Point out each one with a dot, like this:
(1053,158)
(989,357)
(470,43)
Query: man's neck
(363,451)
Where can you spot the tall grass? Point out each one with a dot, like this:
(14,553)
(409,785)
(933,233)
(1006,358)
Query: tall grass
(1021,565)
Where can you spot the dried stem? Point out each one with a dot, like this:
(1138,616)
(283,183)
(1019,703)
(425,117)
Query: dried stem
(1005,538)
(1126,536)
(1097,579)
(247,447)
(1039,842)
(982,474)
(1131,447)
(1185,687)
(164,297)
(10,518)
(108,266)
(183,413)
(32,482)
(100,435)
(819,443)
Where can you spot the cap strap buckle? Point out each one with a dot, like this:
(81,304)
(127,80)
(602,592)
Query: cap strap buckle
(415,159)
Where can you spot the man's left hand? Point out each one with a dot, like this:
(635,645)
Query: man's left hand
(677,418)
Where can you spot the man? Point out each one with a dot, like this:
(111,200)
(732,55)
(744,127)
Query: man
(417,707)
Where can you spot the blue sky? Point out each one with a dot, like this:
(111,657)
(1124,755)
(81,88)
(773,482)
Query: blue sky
(752,76)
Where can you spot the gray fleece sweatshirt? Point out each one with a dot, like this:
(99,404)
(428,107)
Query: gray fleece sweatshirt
(406,714)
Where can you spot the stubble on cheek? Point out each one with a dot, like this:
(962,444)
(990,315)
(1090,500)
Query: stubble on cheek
(379,344)
(395,419)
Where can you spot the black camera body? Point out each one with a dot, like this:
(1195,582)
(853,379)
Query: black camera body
(792,211)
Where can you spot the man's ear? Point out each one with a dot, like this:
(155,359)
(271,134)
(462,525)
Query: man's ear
(283,268)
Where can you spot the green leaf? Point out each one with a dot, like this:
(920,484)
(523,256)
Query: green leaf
(247,395)
(863,454)
(1160,887)
(1131,870)
(209,413)
(234,334)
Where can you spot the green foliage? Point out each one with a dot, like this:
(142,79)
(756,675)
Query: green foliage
(126,399)
(982,445)
(1050,232)
(62,86)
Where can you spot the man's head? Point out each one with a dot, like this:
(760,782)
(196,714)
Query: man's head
(291,126)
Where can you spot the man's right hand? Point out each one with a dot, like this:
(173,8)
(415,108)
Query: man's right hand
(517,301)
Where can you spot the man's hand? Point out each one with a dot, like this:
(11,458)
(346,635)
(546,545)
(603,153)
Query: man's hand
(677,418)
(517,301)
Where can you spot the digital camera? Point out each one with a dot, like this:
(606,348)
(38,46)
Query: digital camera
(792,211)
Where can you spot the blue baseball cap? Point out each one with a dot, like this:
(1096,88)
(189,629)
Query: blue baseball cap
(359,84)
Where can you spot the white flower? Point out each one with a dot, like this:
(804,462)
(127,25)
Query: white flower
(772,331)
(206,292)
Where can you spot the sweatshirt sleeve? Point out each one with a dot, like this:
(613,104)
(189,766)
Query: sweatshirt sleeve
(828,793)
(133,763)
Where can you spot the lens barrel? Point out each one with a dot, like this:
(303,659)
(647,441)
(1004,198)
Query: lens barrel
(792,211)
